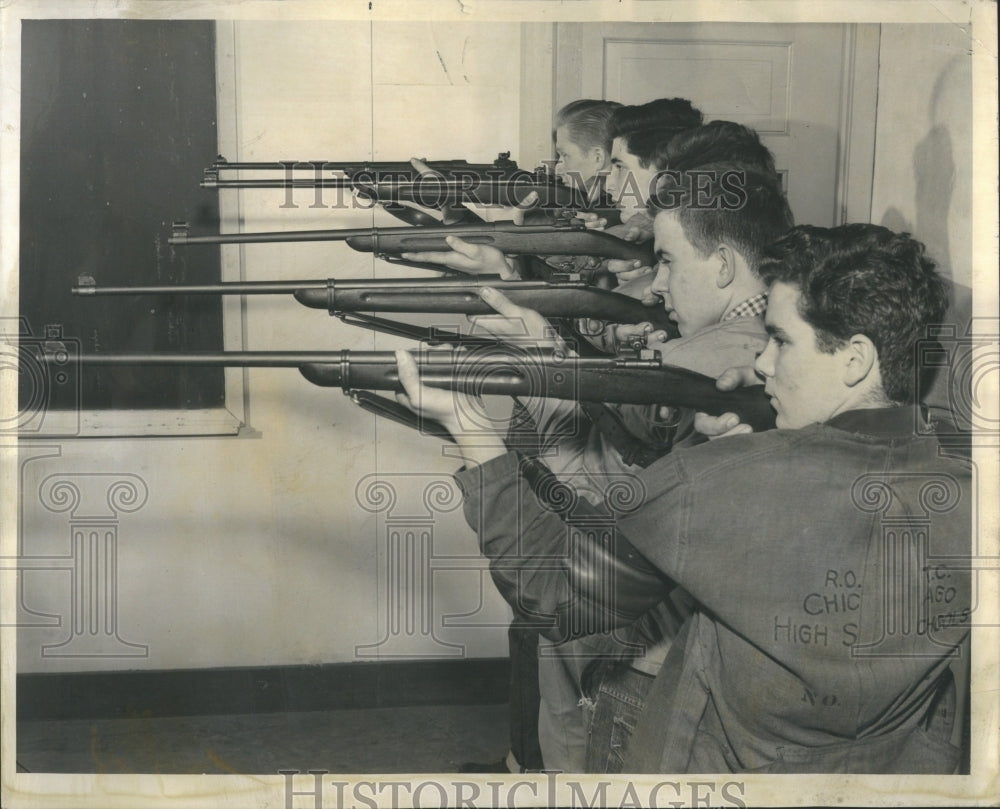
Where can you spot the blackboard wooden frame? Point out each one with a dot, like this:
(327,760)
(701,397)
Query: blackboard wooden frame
(224,417)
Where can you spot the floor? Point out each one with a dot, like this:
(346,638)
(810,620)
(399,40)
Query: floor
(380,740)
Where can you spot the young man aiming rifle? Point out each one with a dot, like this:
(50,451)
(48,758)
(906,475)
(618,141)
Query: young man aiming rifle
(819,644)
(707,279)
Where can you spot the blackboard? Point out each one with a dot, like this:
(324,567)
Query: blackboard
(118,120)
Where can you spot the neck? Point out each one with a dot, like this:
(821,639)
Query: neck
(740,290)
(865,397)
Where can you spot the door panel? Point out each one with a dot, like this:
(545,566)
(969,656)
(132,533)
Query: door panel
(795,84)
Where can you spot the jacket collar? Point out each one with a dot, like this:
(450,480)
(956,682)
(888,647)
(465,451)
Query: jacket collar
(890,422)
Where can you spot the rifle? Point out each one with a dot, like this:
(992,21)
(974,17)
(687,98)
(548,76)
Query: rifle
(501,167)
(513,371)
(559,299)
(433,191)
(558,238)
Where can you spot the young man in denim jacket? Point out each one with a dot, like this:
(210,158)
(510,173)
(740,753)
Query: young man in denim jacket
(822,642)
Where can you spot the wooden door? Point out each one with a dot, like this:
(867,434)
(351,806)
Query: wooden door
(809,90)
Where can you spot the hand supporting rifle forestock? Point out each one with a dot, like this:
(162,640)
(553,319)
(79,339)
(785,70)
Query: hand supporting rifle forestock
(476,259)
(443,406)
(727,424)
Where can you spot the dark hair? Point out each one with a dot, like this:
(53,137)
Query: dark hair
(588,122)
(863,279)
(715,142)
(643,127)
(725,203)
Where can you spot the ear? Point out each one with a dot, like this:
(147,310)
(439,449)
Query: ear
(860,361)
(727,265)
(600,157)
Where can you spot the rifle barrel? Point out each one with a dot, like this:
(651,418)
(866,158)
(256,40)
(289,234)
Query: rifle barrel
(272,182)
(502,161)
(379,237)
(273,236)
(424,186)
(223,288)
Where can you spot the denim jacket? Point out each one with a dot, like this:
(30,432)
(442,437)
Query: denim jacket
(827,565)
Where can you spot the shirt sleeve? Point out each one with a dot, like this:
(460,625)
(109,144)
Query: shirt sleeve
(553,555)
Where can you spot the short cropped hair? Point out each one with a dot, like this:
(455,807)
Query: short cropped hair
(863,279)
(588,122)
(643,127)
(715,142)
(725,203)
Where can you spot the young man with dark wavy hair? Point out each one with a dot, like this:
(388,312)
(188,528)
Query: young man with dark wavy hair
(820,643)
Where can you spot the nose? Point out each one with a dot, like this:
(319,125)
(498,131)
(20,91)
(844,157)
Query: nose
(764,363)
(611,183)
(661,283)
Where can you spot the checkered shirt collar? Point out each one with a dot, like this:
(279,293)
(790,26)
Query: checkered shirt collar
(751,307)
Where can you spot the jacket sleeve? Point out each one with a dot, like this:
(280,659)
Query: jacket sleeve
(554,557)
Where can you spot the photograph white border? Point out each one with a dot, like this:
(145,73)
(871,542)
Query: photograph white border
(982,787)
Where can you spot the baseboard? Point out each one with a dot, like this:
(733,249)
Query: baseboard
(335,686)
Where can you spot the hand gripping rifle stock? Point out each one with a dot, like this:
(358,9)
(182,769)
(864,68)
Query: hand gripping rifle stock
(509,371)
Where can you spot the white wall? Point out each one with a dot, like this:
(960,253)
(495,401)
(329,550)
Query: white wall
(923,142)
(255,550)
